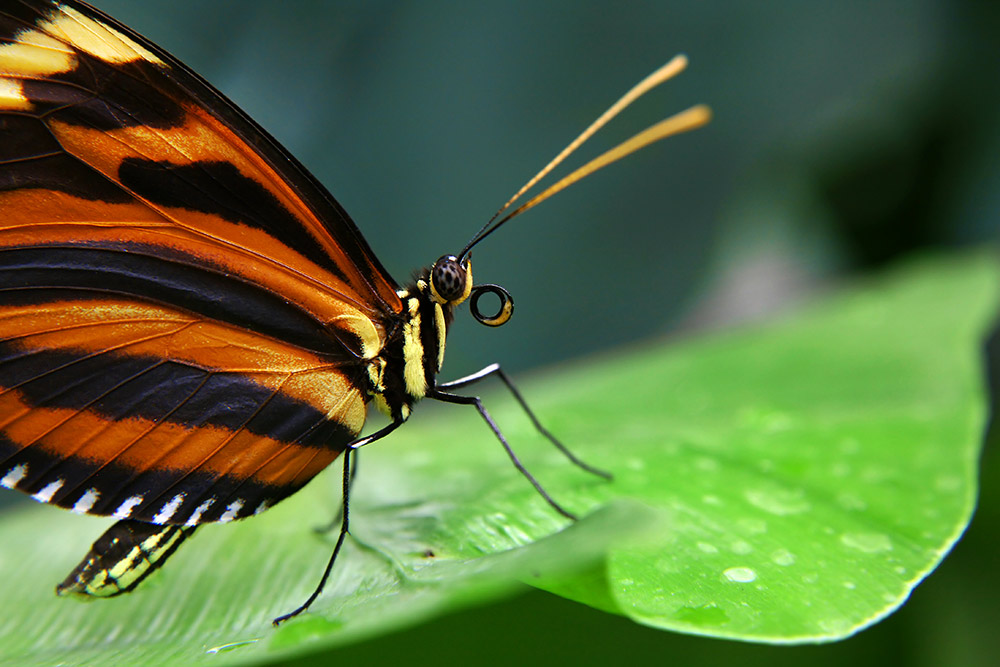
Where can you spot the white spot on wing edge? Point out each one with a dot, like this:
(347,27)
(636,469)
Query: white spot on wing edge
(198,511)
(86,501)
(124,510)
(14,475)
(168,509)
(232,509)
(45,495)
(260,508)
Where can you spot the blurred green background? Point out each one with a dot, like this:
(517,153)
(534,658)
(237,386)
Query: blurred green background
(846,136)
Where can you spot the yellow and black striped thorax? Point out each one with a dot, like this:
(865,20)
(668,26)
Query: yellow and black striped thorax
(407,366)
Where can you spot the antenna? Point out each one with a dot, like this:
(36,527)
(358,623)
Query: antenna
(684,121)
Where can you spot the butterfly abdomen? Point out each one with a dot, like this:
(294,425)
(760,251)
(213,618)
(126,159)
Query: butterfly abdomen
(122,557)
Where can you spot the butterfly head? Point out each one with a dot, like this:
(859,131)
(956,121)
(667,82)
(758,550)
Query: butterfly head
(450,284)
(450,280)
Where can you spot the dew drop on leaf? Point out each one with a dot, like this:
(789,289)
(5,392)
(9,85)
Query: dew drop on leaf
(741,575)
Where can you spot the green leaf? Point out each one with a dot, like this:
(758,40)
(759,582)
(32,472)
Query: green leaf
(785,483)
(812,472)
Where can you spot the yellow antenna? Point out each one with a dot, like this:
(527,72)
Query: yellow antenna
(684,121)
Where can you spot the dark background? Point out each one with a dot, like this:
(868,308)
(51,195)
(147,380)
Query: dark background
(847,136)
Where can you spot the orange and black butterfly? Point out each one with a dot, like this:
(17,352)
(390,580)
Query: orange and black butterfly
(191,327)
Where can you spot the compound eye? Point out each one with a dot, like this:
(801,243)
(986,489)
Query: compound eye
(448,278)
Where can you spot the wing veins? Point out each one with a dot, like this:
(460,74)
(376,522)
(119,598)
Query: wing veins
(363,307)
(302,436)
(154,424)
(89,438)
(221,446)
(97,353)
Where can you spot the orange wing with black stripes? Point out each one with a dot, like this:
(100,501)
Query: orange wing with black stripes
(184,311)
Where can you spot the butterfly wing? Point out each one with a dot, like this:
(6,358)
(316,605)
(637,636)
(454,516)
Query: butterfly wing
(184,311)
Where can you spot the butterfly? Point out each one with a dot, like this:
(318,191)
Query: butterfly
(191,327)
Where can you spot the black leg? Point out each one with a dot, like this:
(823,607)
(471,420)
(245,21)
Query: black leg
(360,442)
(438,395)
(494,369)
(340,511)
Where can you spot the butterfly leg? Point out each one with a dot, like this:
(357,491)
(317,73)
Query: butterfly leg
(122,557)
(439,395)
(495,369)
(349,453)
(340,511)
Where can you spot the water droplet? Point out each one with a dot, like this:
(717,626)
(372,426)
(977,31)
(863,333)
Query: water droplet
(635,463)
(851,502)
(875,475)
(948,483)
(836,626)
(868,542)
(743,575)
(711,500)
(708,548)
(418,458)
(740,547)
(850,585)
(849,445)
(778,501)
(668,564)
(753,526)
(773,421)
(810,578)
(768,421)
(706,464)
(229,647)
(783,557)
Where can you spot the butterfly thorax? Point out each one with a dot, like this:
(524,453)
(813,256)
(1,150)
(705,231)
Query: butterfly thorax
(406,366)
